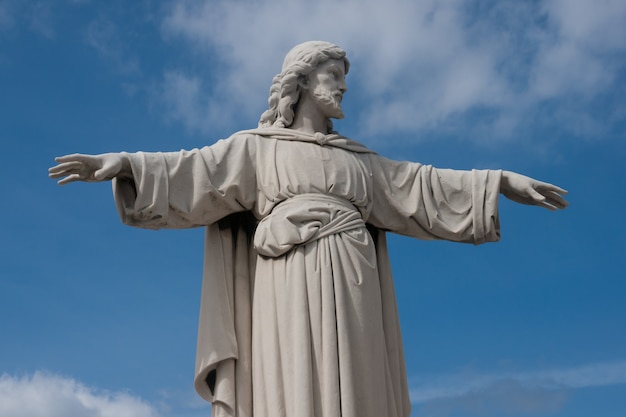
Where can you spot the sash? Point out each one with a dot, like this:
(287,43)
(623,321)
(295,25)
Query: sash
(302,219)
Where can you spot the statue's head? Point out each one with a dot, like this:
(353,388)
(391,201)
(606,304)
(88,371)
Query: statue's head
(287,86)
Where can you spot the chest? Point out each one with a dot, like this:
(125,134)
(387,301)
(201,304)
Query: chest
(302,167)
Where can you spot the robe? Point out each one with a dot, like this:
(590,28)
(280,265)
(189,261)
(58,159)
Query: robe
(298,315)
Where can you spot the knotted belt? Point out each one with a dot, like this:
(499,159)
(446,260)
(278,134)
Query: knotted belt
(304,218)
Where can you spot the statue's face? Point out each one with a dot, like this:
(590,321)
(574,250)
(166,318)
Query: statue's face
(326,86)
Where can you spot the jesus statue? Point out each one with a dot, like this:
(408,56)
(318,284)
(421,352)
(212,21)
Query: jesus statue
(298,313)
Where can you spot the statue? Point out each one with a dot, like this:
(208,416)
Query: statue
(298,313)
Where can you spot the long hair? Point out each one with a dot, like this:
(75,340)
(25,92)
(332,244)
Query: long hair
(285,90)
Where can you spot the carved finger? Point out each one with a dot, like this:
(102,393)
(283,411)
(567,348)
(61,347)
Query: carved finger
(74,157)
(58,174)
(557,200)
(65,167)
(68,179)
(102,174)
(546,204)
(546,187)
(536,195)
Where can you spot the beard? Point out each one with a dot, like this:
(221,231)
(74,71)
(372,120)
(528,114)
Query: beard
(328,101)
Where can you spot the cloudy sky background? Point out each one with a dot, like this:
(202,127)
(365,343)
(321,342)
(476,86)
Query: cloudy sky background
(98,320)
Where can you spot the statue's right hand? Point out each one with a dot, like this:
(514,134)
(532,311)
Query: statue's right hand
(90,168)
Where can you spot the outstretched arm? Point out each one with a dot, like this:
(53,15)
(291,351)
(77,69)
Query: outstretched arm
(90,168)
(526,190)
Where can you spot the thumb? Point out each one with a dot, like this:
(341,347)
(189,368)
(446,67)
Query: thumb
(101,174)
(109,170)
(535,195)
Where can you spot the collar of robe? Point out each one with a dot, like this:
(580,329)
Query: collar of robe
(331,139)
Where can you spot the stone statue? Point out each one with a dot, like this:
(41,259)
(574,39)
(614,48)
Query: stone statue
(298,311)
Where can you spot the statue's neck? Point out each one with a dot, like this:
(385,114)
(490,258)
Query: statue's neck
(308,117)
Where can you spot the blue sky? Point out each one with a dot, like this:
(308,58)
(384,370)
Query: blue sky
(98,319)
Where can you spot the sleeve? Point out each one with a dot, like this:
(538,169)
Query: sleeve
(188,188)
(429,203)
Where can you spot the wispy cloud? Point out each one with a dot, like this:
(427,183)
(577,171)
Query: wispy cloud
(41,19)
(36,15)
(420,65)
(188,99)
(47,395)
(103,35)
(530,391)
(39,16)
(6,15)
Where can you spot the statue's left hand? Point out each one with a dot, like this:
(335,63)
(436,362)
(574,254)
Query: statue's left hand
(525,190)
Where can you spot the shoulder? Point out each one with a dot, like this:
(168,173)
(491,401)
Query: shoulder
(243,138)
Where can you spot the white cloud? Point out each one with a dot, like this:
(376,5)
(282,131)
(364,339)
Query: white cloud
(423,63)
(47,395)
(574,55)
(530,391)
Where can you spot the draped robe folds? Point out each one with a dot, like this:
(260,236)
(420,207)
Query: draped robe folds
(298,315)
